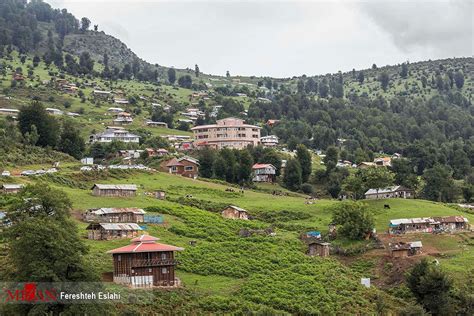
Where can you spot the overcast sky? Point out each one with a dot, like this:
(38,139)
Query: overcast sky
(283,38)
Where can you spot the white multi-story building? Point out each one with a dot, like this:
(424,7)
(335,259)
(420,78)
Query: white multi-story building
(115,134)
(228,132)
(269,141)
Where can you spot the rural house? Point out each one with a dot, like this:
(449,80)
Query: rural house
(451,223)
(411,225)
(269,141)
(107,231)
(415,247)
(318,248)
(145,263)
(156,124)
(402,249)
(116,134)
(114,190)
(263,172)
(428,225)
(185,166)
(11,188)
(366,164)
(399,250)
(234,212)
(383,162)
(397,191)
(123,118)
(115,215)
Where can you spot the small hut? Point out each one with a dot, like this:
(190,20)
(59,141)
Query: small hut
(160,195)
(115,190)
(318,248)
(399,250)
(11,188)
(234,212)
(415,247)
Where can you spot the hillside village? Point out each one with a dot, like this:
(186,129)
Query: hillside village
(203,194)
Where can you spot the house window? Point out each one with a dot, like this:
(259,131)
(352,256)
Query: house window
(188,168)
(163,256)
(119,258)
(174,168)
(164,270)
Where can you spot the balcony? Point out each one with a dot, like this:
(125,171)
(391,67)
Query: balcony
(154,262)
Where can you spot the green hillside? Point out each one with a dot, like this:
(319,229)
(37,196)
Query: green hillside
(256,272)
(423,111)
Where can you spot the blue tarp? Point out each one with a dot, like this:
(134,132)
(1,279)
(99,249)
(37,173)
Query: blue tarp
(313,234)
(154,219)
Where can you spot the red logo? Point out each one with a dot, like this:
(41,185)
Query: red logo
(30,294)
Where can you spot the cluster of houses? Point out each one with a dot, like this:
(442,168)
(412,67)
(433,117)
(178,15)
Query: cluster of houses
(123,118)
(192,115)
(113,223)
(66,86)
(428,224)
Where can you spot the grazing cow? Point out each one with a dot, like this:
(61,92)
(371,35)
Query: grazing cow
(386,206)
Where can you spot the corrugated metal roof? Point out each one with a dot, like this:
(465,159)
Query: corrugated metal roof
(416,244)
(407,221)
(120,226)
(131,187)
(190,159)
(386,190)
(107,210)
(451,219)
(238,208)
(12,186)
(262,166)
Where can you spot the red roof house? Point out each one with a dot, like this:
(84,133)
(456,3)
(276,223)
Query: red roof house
(263,172)
(145,263)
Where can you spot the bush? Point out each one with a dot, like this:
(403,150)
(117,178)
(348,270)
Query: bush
(354,218)
(307,188)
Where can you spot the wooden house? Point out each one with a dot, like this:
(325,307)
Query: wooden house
(318,248)
(397,191)
(108,231)
(115,215)
(145,263)
(415,247)
(18,77)
(263,172)
(185,166)
(451,223)
(383,161)
(160,195)
(399,250)
(11,188)
(116,190)
(428,224)
(411,225)
(234,212)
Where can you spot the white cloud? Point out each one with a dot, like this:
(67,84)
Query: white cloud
(283,38)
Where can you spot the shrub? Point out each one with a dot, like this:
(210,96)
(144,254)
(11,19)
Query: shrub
(307,188)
